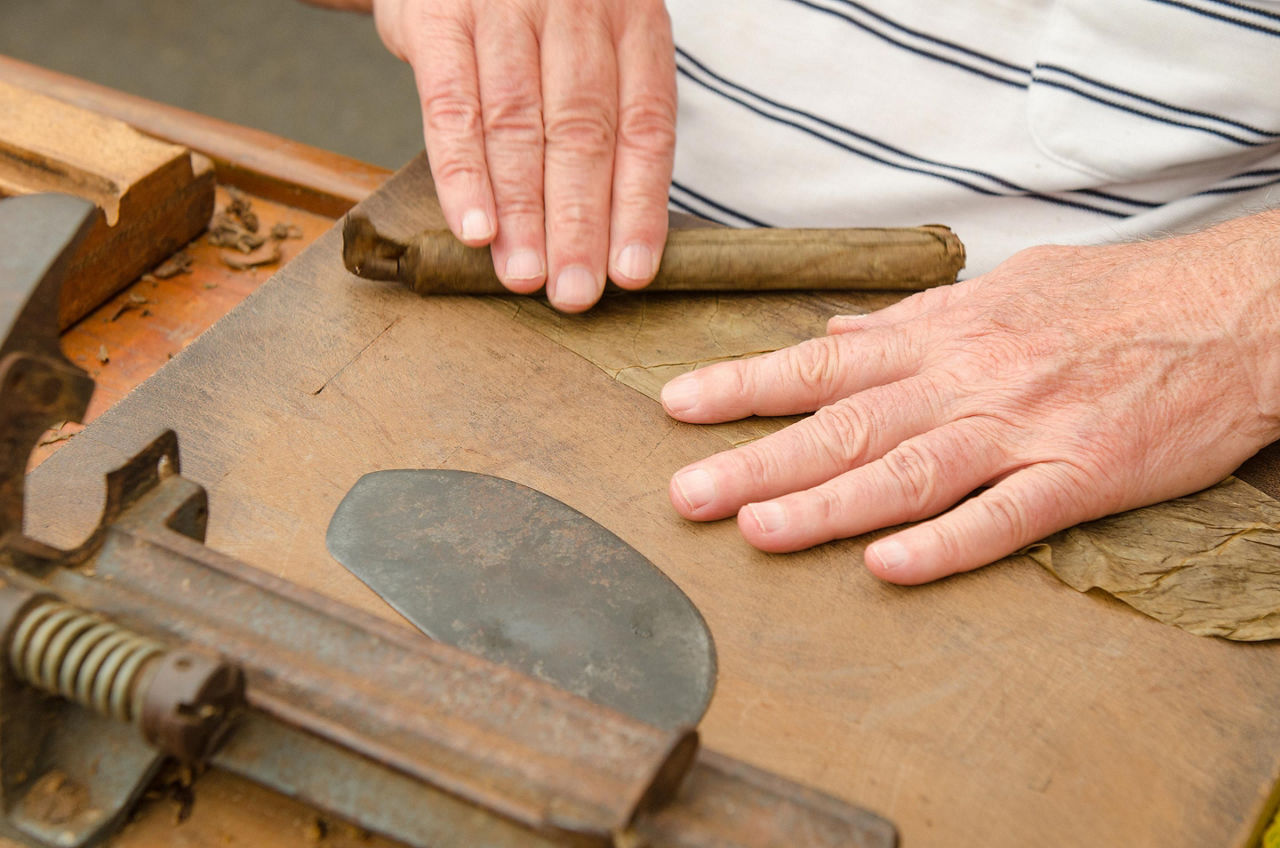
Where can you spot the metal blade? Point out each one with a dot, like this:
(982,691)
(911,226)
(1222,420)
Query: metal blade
(517,577)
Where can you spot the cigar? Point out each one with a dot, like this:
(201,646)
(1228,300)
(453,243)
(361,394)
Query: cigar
(716,259)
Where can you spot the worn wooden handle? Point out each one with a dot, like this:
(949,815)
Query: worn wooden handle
(707,260)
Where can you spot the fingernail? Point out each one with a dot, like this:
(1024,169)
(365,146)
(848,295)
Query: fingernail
(576,287)
(524,265)
(476,226)
(697,488)
(635,262)
(681,394)
(770,517)
(841,323)
(892,555)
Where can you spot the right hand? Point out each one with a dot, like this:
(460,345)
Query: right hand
(550,128)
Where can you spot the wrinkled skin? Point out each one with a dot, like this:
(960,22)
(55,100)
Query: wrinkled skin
(550,128)
(1067,384)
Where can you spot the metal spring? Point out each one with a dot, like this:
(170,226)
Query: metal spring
(81,657)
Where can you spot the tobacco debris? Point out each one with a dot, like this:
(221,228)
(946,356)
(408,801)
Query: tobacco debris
(285,230)
(317,830)
(55,799)
(236,226)
(267,254)
(58,436)
(176,784)
(226,231)
(241,208)
(135,300)
(180,263)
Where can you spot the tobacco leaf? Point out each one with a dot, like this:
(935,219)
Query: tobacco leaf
(1208,563)
(242,208)
(179,263)
(267,254)
(285,230)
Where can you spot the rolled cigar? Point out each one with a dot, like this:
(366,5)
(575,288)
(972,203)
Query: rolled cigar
(716,259)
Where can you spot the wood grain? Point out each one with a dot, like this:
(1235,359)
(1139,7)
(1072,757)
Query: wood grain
(152,197)
(998,708)
(261,163)
(139,330)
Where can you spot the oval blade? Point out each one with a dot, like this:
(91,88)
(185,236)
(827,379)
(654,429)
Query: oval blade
(515,576)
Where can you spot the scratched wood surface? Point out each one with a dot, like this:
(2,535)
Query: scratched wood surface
(992,709)
(128,338)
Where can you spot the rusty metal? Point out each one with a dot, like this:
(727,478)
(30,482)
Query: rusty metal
(410,738)
(40,386)
(542,757)
(182,701)
(517,577)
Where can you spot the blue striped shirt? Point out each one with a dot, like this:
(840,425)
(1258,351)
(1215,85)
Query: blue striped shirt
(1016,122)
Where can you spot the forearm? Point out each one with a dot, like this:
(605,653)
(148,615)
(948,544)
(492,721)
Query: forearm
(1243,263)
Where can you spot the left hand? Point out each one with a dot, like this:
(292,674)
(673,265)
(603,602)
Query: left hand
(1067,384)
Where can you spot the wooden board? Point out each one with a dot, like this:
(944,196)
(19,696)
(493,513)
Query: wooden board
(129,337)
(152,197)
(996,708)
(262,163)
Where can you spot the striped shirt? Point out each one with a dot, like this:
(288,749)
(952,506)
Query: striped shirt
(1015,122)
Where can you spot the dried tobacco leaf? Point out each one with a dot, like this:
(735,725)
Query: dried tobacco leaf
(267,254)
(284,230)
(179,263)
(241,208)
(1208,563)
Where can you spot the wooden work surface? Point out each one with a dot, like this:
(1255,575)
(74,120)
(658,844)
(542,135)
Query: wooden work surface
(995,708)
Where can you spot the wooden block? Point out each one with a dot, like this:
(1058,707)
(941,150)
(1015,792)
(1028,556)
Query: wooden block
(153,197)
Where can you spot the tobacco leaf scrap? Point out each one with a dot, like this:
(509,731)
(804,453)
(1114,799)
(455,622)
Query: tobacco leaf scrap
(267,254)
(179,263)
(286,230)
(54,435)
(228,231)
(241,208)
(1208,563)
(236,227)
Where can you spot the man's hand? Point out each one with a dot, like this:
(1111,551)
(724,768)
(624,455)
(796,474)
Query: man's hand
(550,127)
(1068,384)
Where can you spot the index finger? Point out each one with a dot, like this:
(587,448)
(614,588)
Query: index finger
(800,378)
(453,128)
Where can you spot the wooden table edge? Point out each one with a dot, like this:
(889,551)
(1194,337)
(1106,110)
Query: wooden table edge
(258,162)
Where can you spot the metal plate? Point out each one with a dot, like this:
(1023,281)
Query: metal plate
(515,576)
